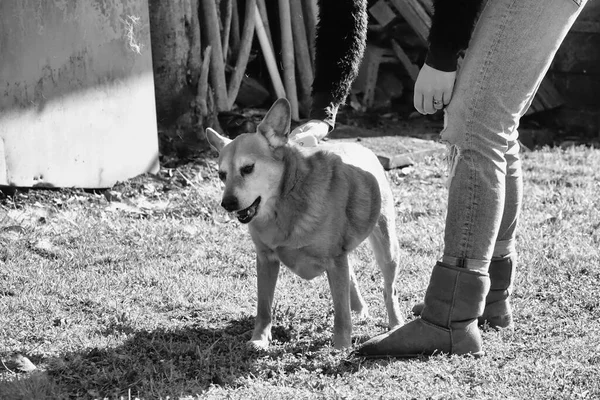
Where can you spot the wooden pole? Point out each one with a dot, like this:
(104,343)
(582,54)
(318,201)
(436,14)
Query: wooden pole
(244,52)
(310,19)
(262,7)
(202,93)
(226,27)
(287,56)
(235,27)
(203,83)
(302,55)
(217,68)
(267,51)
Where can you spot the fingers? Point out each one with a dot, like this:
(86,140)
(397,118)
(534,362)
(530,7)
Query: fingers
(430,103)
(418,101)
(446,97)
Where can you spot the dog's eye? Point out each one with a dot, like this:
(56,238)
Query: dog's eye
(222,175)
(247,169)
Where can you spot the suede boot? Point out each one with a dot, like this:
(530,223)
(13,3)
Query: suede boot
(497,312)
(454,300)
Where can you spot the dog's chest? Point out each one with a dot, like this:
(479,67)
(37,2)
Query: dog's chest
(306,256)
(301,262)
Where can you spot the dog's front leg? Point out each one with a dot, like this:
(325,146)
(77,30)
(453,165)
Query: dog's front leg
(338,276)
(267,271)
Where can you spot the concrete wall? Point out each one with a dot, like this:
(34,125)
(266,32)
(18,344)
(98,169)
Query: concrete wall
(76,92)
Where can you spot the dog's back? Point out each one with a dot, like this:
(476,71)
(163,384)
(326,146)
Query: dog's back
(331,198)
(355,154)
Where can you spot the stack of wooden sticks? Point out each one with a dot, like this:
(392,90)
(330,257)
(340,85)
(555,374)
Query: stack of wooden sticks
(285,32)
(227,48)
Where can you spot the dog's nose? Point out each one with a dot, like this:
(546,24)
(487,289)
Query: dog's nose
(230,203)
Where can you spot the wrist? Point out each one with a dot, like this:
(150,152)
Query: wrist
(441,59)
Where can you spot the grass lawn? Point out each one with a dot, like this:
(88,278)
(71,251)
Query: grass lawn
(148,291)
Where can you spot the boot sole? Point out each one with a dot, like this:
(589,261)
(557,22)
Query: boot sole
(478,354)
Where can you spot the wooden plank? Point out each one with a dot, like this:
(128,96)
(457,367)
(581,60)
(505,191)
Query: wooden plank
(382,13)
(540,98)
(421,12)
(411,69)
(546,98)
(548,95)
(427,6)
(551,95)
(372,61)
(396,151)
(405,160)
(533,108)
(413,18)
(586,27)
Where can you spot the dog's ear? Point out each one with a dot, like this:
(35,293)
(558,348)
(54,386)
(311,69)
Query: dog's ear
(215,140)
(276,124)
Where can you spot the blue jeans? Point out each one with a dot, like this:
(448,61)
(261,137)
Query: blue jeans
(512,46)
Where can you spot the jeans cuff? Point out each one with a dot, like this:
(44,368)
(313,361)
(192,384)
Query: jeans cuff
(468,263)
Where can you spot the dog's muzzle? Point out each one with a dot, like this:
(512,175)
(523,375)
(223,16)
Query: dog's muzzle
(246,215)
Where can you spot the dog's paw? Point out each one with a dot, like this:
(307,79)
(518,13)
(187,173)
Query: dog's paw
(258,345)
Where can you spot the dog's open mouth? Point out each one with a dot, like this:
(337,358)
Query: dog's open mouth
(246,215)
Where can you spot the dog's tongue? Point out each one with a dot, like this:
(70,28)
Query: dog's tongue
(246,215)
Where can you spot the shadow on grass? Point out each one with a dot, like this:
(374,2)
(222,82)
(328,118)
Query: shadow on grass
(184,360)
(196,356)
(180,361)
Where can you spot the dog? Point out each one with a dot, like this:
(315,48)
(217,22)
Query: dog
(308,208)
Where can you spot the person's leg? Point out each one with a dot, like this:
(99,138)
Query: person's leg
(498,311)
(505,243)
(513,45)
(511,49)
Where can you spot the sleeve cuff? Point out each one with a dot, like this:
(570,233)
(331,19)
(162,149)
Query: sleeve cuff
(442,59)
(324,109)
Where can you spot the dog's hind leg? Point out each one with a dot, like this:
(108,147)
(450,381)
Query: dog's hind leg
(338,275)
(267,271)
(387,252)
(357,303)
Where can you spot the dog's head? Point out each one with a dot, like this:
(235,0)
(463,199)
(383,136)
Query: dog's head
(249,166)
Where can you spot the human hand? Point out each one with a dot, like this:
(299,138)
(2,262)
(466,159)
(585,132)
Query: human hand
(433,89)
(309,134)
